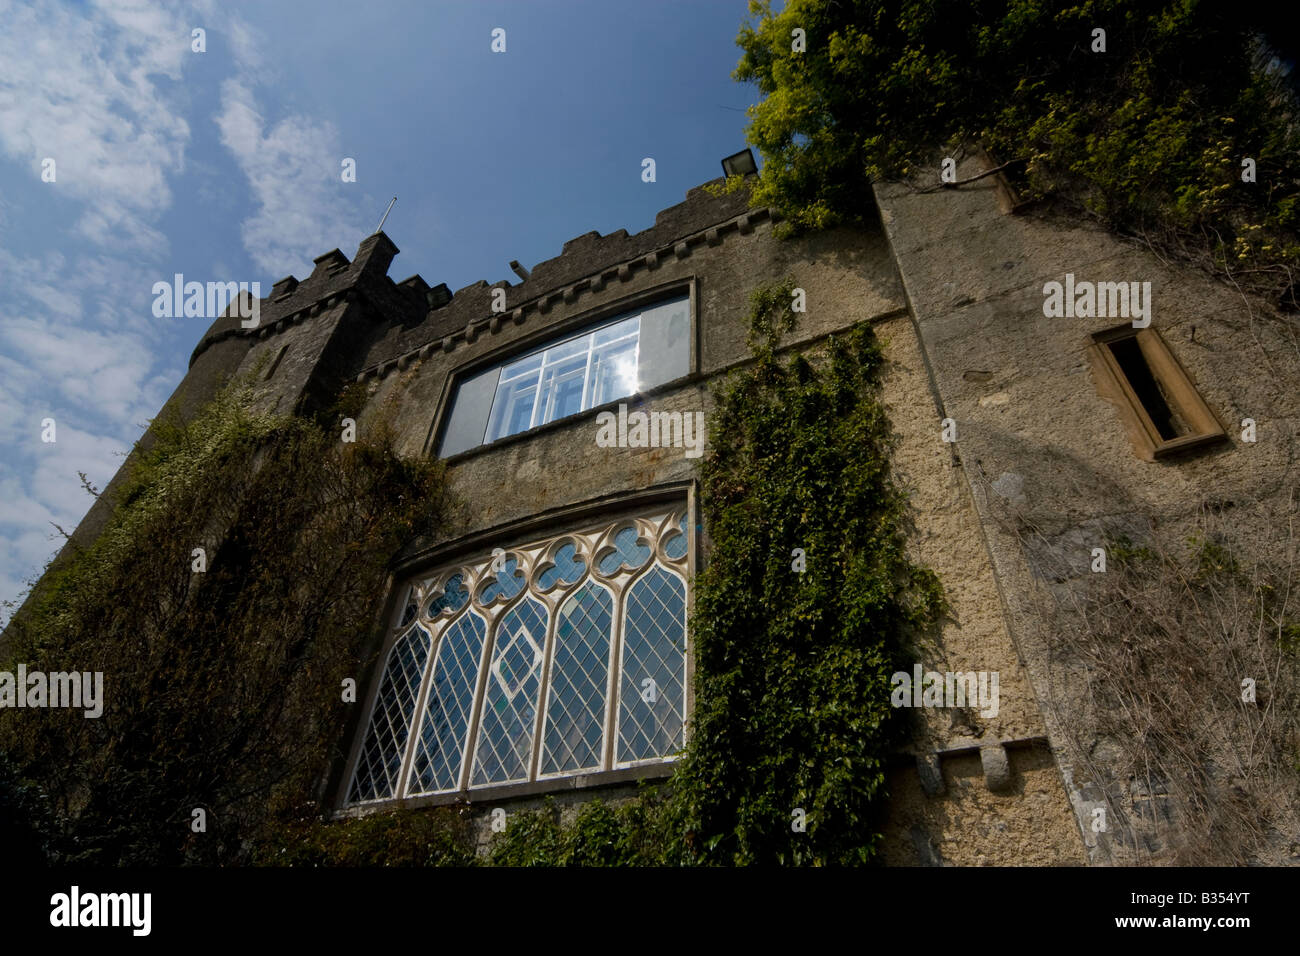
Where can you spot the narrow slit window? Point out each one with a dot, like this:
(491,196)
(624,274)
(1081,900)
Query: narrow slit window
(1129,356)
(279,356)
(1161,407)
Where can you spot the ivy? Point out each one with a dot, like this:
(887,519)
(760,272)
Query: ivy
(636,832)
(792,667)
(792,707)
(439,837)
(1148,136)
(223,686)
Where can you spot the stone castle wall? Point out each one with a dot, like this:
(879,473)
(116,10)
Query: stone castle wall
(953,284)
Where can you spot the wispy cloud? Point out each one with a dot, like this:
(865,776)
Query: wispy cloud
(104,88)
(97,89)
(84,88)
(293,171)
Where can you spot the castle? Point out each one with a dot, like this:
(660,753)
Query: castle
(543,650)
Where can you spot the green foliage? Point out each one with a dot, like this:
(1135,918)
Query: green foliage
(437,837)
(1289,638)
(351,400)
(634,833)
(1213,558)
(222,688)
(792,707)
(792,668)
(1122,551)
(1148,136)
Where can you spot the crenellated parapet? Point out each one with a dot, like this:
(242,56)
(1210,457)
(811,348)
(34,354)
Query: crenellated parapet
(402,320)
(333,279)
(587,262)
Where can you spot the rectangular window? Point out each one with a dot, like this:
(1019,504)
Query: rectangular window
(1162,408)
(623,355)
(563,656)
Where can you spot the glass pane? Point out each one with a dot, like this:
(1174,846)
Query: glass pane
(381,755)
(568,349)
(512,411)
(676,545)
(528,365)
(613,372)
(453,597)
(562,389)
(509,582)
(505,735)
(468,421)
(568,567)
(627,551)
(650,721)
(575,714)
(664,352)
(440,749)
(617,331)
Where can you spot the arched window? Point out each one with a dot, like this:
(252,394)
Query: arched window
(561,656)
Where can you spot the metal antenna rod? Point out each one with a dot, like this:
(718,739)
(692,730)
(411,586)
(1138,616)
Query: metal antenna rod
(386,212)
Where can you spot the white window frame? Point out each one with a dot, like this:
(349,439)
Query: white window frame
(543,411)
(490,430)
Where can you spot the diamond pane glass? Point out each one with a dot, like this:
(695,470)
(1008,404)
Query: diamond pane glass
(440,748)
(575,713)
(508,582)
(627,551)
(381,755)
(676,546)
(567,568)
(651,696)
(453,597)
(505,736)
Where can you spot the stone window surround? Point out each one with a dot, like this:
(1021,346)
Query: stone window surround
(1113,385)
(686,284)
(552,523)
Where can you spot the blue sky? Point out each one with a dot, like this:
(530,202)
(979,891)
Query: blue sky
(225,165)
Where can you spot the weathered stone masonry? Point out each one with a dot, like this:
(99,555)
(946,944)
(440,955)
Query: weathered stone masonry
(953,285)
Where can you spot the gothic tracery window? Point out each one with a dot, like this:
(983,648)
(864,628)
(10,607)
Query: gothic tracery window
(564,656)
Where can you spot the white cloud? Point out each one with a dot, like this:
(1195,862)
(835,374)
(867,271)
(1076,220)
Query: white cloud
(293,170)
(81,87)
(96,87)
(56,348)
(99,87)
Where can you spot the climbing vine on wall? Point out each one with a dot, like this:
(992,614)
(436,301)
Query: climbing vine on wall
(1145,126)
(792,707)
(223,685)
(222,676)
(802,611)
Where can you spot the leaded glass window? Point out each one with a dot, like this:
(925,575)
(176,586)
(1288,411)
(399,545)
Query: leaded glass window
(565,655)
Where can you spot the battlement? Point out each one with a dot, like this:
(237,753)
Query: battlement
(412,315)
(588,261)
(332,278)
